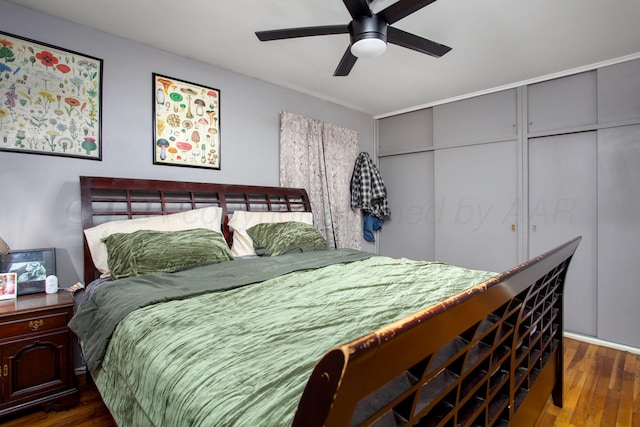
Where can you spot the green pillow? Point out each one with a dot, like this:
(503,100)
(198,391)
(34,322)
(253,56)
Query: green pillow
(149,251)
(285,237)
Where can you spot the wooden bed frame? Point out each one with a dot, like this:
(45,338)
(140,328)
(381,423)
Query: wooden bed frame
(490,356)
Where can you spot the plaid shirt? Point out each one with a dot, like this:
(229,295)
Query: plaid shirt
(367,188)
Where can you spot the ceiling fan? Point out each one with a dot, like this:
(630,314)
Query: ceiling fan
(369,32)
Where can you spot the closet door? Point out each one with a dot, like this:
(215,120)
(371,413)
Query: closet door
(563,103)
(619,235)
(405,133)
(562,205)
(481,119)
(409,231)
(476,205)
(619,92)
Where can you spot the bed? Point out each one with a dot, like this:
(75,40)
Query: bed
(299,338)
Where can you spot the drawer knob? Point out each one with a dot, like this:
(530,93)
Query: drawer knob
(34,325)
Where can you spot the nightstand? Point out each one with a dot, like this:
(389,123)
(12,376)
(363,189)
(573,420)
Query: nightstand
(37,353)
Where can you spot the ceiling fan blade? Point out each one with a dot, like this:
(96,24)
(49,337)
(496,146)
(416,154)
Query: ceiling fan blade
(358,8)
(346,63)
(291,33)
(401,9)
(411,41)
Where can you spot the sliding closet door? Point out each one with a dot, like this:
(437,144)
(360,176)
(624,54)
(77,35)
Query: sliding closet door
(619,235)
(476,205)
(562,205)
(406,165)
(409,231)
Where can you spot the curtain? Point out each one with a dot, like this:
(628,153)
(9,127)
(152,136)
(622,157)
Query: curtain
(319,157)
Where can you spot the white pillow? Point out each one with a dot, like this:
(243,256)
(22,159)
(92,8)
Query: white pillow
(241,220)
(209,217)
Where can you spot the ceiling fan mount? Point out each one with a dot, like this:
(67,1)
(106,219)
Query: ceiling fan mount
(368,36)
(370,32)
(368,26)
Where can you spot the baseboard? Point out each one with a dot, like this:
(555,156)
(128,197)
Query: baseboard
(596,341)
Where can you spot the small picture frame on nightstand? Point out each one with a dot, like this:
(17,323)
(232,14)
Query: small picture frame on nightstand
(8,286)
(31,267)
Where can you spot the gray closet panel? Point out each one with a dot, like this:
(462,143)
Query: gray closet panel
(477,205)
(619,92)
(563,205)
(491,117)
(563,103)
(619,235)
(405,133)
(409,232)
(482,165)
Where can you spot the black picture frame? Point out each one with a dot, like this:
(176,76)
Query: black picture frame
(32,266)
(186,123)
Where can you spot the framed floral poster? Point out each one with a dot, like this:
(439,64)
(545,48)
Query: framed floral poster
(186,123)
(50,99)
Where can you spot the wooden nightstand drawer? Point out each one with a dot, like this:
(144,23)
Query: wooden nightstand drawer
(36,353)
(44,322)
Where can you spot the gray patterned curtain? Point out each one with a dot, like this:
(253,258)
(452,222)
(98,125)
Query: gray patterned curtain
(319,157)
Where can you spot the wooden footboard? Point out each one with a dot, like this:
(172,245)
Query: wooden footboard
(489,356)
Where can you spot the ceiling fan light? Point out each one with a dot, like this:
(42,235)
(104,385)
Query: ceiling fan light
(368,47)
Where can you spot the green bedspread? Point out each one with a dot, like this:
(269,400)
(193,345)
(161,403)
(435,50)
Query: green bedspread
(98,318)
(243,356)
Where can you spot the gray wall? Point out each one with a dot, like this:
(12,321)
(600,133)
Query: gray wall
(40,194)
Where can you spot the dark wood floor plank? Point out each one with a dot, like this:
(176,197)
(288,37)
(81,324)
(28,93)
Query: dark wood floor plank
(625,409)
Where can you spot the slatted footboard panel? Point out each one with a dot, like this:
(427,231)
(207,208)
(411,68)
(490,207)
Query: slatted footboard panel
(486,357)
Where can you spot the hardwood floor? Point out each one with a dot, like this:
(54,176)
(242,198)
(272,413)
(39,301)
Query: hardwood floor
(89,412)
(601,388)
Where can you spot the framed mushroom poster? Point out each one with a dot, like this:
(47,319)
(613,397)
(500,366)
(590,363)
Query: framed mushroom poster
(186,123)
(50,99)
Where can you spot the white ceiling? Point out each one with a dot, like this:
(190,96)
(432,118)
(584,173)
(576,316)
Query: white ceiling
(496,43)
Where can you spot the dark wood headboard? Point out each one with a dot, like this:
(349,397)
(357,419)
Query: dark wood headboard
(106,199)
